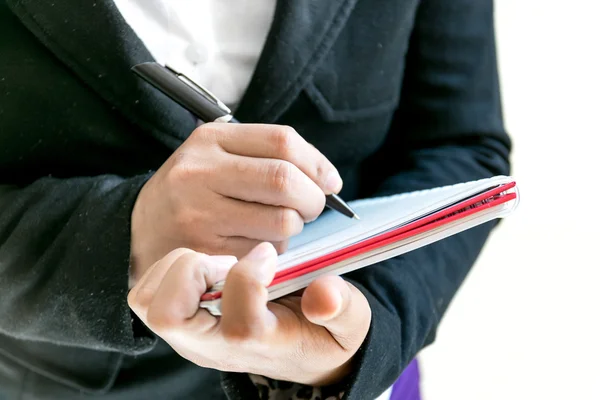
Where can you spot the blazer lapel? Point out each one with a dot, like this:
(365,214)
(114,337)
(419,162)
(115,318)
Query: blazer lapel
(301,34)
(93,39)
(95,42)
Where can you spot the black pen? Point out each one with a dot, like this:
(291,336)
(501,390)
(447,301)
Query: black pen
(206,106)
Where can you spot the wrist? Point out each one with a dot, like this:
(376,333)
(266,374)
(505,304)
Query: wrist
(137,260)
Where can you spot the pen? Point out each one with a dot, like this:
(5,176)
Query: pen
(207,107)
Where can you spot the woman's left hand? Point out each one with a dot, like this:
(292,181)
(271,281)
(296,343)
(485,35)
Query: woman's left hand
(309,339)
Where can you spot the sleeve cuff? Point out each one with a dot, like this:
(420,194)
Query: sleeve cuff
(104,248)
(381,359)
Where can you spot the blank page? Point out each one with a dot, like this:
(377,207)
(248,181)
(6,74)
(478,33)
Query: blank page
(333,231)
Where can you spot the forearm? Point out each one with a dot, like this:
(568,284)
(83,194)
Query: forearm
(64,252)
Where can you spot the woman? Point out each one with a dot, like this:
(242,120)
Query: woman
(110,186)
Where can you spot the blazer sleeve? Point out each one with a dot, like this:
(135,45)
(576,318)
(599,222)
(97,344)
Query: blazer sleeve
(64,260)
(448,129)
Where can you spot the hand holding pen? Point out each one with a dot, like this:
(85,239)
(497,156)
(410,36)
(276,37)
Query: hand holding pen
(226,189)
(208,108)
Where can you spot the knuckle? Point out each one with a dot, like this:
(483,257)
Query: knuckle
(283,139)
(205,132)
(197,269)
(280,175)
(240,166)
(182,169)
(198,133)
(322,169)
(132,300)
(186,168)
(140,300)
(287,223)
(188,263)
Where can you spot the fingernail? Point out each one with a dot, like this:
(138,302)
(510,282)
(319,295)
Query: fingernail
(333,183)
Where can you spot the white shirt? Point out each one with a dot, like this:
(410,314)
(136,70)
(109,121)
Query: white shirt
(216,43)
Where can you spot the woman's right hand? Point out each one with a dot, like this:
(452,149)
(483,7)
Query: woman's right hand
(228,188)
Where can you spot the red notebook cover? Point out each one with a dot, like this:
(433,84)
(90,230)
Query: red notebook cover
(484,201)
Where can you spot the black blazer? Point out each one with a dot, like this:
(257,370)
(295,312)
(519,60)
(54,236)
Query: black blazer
(399,95)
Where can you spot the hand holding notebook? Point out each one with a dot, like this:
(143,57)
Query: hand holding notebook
(389,226)
(334,244)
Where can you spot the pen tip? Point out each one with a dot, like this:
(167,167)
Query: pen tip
(356,217)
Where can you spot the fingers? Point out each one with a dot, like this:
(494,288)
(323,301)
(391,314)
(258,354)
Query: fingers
(244,301)
(258,221)
(282,143)
(268,181)
(143,294)
(175,302)
(339,307)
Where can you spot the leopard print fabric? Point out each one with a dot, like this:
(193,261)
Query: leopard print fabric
(269,389)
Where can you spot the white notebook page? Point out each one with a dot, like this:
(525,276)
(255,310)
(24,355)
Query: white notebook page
(333,231)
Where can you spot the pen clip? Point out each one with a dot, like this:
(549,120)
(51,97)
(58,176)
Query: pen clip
(202,91)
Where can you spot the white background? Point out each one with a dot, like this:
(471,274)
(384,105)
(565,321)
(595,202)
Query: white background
(526,324)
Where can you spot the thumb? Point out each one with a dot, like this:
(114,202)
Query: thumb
(244,303)
(339,307)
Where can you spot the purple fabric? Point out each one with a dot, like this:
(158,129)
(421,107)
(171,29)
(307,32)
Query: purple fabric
(407,387)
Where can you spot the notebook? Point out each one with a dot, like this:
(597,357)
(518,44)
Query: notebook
(388,227)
